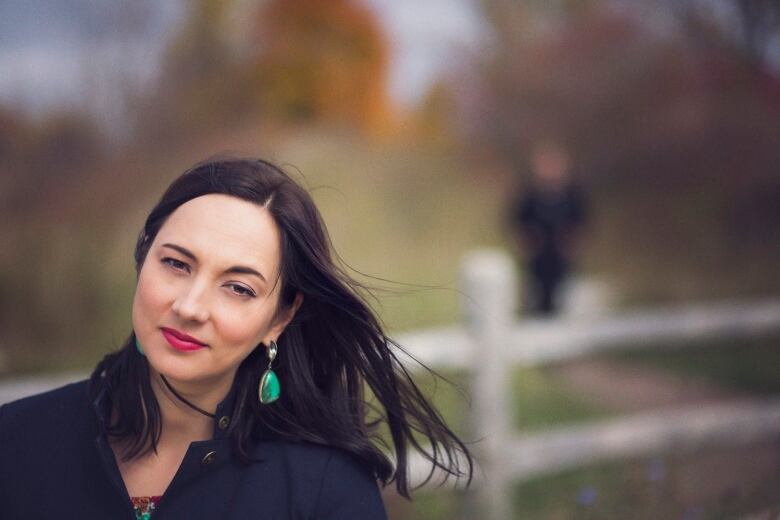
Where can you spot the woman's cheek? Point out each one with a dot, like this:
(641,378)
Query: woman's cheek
(144,297)
(149,300)
(240,333)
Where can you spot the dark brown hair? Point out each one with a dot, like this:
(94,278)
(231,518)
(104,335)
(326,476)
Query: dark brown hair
(331,349)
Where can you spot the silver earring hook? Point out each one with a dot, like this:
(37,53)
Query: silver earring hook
(272,350)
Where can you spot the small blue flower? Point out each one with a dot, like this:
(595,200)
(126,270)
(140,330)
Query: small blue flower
(587,496)
(656,470)
(693,513)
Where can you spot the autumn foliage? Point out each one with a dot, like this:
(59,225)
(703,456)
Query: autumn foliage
(320,59)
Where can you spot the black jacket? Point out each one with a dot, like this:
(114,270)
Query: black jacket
(55,463)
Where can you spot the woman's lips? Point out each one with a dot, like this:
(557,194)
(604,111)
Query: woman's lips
(180,344)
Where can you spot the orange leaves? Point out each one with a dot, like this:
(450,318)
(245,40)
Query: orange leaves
(320,59)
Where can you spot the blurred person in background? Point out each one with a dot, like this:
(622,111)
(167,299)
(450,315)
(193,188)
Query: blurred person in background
(241,389)
(547,219)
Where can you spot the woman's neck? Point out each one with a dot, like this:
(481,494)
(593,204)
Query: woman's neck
(181,423)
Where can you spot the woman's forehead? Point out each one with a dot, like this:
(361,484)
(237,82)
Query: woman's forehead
(217,226)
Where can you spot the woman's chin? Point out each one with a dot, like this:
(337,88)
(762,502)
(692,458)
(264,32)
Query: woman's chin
(176,369)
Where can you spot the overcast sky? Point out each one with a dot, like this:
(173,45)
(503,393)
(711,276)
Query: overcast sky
(60,52)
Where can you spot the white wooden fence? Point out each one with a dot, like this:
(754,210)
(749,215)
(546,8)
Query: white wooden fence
(491,342)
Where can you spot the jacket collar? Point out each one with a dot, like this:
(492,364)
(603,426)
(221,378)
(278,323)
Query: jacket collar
(206,455)
(222,415)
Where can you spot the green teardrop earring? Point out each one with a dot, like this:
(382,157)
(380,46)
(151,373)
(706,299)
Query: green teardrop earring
(138,347)
(270,389)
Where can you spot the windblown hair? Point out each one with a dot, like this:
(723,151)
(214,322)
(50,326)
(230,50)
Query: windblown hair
(331,349)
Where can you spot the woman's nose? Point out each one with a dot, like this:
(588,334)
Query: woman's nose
(191,305)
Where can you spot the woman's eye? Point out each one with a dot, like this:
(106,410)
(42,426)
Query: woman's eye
(241,290)
(176,264)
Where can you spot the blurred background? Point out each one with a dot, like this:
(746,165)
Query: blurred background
(622,153)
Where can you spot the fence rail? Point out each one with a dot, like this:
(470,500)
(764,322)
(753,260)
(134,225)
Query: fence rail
(535,342)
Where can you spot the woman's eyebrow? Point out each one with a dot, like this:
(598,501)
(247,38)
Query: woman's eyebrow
(241,269)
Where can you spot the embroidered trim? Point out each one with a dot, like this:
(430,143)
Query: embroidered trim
(145,506)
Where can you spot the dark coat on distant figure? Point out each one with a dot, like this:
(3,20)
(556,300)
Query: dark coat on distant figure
(549,222)
(55,463)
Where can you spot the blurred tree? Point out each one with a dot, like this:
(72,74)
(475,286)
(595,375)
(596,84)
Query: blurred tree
(320,59)
(752,26)
(432,117)
(14,133)
(760,23)
(40,159)
(45,185)
(200,82)
(678,142)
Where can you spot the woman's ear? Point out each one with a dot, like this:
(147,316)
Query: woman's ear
(296,304)
(285,318)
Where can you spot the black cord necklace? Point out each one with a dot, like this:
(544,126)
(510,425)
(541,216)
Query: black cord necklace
(183,400)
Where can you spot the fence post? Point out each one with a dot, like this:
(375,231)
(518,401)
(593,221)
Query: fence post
(490,287)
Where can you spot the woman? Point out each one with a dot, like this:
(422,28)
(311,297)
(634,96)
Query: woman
(240,392)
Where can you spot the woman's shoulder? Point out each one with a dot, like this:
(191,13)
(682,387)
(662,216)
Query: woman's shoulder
(64,403)
(310,456)
(75,392)
(341,485)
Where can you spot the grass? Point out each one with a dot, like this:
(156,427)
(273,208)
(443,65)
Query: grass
(749,365)
(540,403)
(402,212)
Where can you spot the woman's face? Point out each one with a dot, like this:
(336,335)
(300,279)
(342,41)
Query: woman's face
(211,274)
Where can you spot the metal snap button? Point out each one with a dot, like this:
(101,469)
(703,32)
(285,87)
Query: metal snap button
(208,458)
(224,422)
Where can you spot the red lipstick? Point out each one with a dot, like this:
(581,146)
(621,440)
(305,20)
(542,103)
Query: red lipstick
(181,341)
